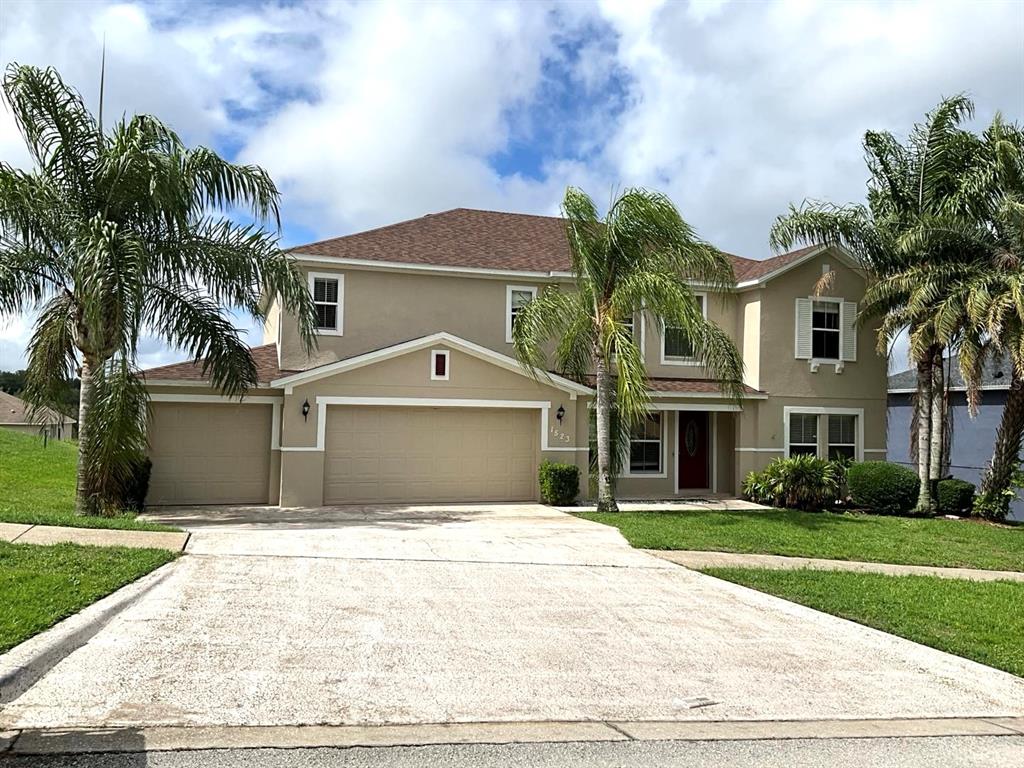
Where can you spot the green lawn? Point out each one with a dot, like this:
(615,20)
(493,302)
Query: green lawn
(977,620)
(37,485)
(871,538)
(40,585)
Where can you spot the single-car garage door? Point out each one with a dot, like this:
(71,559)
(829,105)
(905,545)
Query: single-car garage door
(389,454)
(205,453)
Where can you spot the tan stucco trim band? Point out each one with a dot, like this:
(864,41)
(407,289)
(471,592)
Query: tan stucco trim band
(429,402)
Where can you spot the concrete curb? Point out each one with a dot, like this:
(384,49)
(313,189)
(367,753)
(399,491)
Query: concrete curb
(174,738)
(22,666)
(697,559)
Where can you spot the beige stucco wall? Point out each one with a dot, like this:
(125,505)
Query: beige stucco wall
(385,308)
(408,376)
(781,373)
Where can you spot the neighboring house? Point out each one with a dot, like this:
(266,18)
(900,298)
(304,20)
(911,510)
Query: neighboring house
(15,415)
(972,439)
(414,393)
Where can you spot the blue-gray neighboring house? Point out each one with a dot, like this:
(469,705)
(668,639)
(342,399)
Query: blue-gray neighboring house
(972,438)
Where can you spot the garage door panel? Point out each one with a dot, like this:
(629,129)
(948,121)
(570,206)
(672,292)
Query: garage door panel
(429,454)
(206,453)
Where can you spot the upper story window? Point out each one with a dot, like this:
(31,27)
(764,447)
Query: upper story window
(676,346)
(516,297)
(645,445)
(826,331)
(328,292)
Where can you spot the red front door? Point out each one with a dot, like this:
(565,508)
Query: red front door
(694,451)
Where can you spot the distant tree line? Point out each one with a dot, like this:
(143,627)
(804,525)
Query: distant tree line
(13,383)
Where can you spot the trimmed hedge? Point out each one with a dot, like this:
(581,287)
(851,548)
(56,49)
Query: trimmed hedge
(955,497)
(883,488)
(559,483)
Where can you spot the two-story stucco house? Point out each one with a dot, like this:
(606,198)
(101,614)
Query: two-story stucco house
(414,394)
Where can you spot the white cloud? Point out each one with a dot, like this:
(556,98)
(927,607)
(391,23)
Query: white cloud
(367,113)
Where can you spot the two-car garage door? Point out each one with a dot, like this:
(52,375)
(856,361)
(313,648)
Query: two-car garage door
(399,454)
(207,453)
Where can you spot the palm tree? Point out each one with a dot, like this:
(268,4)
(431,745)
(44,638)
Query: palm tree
(907,184)
(640,259)
(115,234)
(975,303)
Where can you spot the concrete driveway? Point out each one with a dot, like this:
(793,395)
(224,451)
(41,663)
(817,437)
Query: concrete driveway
(474,614)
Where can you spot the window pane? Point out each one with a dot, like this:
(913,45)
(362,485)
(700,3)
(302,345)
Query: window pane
(325,290)
(647,429)
(846,451)
(826,315)
(645,457)
(677,344)
(803,428)
(521,299)
(841,429)
(825,345)
(803,450)
(327,316)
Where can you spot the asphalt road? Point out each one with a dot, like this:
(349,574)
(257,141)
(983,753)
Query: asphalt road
(940,752)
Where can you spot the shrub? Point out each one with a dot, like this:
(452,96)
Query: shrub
(559,483)
(955,497)
(799,482)
(881,487)
(131,496)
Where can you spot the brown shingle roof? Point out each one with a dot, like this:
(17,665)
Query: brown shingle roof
(265,358)
(465,237)
(14,410)
(750,269)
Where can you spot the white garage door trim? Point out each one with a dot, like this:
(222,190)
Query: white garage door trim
(427,402)
(275,417)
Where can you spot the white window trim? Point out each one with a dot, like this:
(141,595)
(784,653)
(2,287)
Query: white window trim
(531,289)
(626,472)
(340,330)
(682,361)
(824,411)
(815,362)
(434,354)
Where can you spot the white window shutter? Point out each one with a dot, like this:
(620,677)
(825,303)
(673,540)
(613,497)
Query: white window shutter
(848,322)
(803,329)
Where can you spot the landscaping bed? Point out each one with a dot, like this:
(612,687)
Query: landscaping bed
(40,585)
(851,536)
(38,485)
(981,621)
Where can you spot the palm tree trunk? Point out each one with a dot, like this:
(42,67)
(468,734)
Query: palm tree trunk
(993,497)
(924,433)
(605,494)
(85,496)
(938,436)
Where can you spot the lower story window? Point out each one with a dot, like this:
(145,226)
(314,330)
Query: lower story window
(645,445)
(842,436)
(803,434)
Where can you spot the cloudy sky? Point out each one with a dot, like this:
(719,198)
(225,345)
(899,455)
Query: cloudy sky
(372,113)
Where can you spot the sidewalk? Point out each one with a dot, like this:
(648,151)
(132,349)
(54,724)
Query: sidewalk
(697,560)
(97,537)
